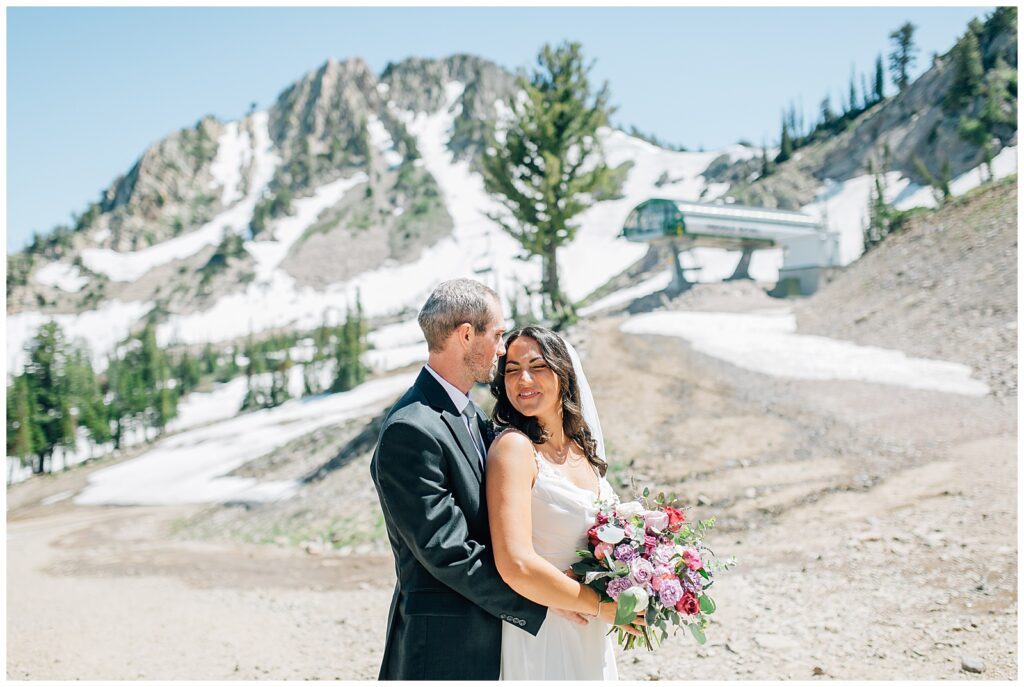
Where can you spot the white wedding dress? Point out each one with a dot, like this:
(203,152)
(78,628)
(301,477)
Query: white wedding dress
(562,650)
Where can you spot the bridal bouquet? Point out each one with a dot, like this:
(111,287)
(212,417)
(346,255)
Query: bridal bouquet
(650,560)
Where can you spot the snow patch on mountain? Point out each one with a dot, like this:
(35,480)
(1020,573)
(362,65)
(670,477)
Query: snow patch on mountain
(63,276)
(381,140)
(128,267)
(234,153)
(478,248)
(287,230)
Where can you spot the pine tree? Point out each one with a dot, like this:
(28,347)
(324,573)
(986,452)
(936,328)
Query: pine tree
(853,90)
(879,80)
(209,359)
(1000,108)
(968,72)
(785,145)
(188,372)
(827,115)
(279,384)
(87,396)
(879,213)
(161,400)
(902,57)
(940,184)
(255,393)
(351,344)
(766,167)
(23,435)
(551,164)
(47,372)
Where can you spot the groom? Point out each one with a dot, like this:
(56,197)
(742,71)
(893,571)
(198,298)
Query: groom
(449,601)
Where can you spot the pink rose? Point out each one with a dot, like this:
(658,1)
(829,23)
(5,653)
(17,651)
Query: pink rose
(692,559)
(662,574)
(602,550)
(655,520)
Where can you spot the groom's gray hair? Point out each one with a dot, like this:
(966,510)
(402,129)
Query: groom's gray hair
(451,304)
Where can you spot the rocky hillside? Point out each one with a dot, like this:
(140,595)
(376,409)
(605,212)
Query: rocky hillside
(340,121)
(945,287)
(353,182)
(926,123)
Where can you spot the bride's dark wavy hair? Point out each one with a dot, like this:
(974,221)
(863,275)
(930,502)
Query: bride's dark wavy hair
(556,355)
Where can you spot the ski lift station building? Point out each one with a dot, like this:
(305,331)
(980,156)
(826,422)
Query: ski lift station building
(810,253)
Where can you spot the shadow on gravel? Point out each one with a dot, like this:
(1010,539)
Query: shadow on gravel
(357,446)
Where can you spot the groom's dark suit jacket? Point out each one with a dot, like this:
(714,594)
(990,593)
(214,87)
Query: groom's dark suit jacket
(449,602)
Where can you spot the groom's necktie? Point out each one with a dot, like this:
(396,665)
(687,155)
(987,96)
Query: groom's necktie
(474,430)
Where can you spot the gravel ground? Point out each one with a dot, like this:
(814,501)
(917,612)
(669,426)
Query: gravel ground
(944,288)
(875,526)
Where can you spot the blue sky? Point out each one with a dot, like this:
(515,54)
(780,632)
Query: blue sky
(89,89)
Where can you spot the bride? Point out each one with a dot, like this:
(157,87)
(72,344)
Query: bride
(544,475)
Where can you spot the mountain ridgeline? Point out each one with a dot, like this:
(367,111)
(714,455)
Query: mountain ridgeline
(342,121)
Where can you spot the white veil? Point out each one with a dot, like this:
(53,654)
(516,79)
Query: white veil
(587,400)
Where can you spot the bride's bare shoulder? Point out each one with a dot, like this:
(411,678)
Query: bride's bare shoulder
(512,439)
(512,443)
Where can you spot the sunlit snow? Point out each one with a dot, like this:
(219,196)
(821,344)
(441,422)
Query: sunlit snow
(769,344)
(191,466)
(63,276)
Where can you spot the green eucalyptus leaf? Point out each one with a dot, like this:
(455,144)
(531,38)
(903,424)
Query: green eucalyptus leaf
(707,605)
(626,609)
(697,633)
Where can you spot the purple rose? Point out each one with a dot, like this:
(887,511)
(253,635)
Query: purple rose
(670,593)
(625,553)
(662,555)
(641,571)
(692,580)
(617,586)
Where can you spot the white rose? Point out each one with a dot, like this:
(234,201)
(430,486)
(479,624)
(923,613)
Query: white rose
(642,599)
(629,509)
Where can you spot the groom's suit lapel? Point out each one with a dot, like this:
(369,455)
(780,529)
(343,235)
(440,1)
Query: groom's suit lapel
(439,398)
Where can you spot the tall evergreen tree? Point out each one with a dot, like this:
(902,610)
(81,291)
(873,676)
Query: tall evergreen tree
(879,80)
(1000,108)
(785,144)
(24,437)
(827,115)
(351,344)
(968,72)
(903,55)
(87,395)
(550,164)
(853,90)
(766,165)
(47,372)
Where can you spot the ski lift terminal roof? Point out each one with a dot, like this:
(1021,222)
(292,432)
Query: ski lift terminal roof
(660,218)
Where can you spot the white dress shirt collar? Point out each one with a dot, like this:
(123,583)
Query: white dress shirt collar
(460,399)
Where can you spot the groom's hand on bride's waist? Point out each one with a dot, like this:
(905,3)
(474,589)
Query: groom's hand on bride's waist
(572,616)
